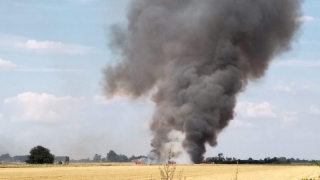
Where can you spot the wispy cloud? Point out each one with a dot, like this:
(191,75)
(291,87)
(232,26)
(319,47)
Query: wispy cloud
(4,64)
(294,88)
(26,69)
(255,110)
(30,106)
(314,110)
(53,47)
(8,66)
(48,7)
(240,124)
(249,110)
(305,18)
(297,63)
(82,2)
(54,7)
(46,46)
(100,100)
(1,119)
(288,117)
(304,135)
(39,45)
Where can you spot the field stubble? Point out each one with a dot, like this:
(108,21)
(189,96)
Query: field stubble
(145,172)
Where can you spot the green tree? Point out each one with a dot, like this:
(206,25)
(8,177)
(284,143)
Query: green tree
(40,155)
(112,156)
(97,158)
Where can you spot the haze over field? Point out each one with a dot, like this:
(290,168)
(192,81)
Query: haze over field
(51,58)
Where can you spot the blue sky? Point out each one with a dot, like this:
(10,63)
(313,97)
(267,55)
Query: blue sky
(51,56)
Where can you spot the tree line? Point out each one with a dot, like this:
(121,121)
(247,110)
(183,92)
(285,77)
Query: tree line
(8,158)
(112,156)
(42,155)
(220,159)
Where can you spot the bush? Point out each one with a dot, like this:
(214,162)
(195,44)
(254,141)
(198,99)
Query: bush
(40,155)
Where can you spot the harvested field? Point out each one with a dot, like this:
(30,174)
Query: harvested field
(145,172)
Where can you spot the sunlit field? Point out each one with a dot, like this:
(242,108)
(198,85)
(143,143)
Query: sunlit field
(132,171)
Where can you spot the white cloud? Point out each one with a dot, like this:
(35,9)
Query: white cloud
(304,135)
(103,100)
(48,70)
(296,63)
(6,64)
(53,47)
(314,110)
(289,116)
(283,88)
(46,46)
(83,2)
(100,100)
(33,44)
(294,88)
(239,123)
(30,106)
(1,117)
(9,66)
(305,18)
(262,110)
(253,110)
(9,40)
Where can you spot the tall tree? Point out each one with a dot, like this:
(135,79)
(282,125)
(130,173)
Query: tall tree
(40,155)
(112,156)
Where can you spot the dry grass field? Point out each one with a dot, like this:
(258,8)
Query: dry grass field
(145,172)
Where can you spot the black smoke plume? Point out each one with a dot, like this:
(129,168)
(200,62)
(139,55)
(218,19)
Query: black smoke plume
(198,55)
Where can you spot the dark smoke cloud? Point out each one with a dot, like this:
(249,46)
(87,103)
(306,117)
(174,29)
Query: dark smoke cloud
(198,54)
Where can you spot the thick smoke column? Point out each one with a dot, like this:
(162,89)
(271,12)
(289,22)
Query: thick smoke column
(198,55)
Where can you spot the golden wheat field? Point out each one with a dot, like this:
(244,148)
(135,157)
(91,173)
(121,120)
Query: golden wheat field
(145,172)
